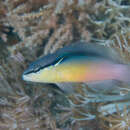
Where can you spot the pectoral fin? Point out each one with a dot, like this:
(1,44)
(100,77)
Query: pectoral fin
(106,86)
(68,87)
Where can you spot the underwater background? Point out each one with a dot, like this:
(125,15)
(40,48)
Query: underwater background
(30,29)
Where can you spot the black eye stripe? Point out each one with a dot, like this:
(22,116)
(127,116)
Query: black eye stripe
(36,70)
(59,58)
(38,66)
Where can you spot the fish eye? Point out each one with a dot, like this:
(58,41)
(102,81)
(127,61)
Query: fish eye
(36,68)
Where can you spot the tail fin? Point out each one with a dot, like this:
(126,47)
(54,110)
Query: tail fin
(124,74)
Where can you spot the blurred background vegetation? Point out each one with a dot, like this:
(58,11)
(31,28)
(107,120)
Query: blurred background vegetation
(30,29)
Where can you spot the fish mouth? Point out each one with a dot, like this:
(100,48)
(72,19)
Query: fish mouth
(28,78)
(25,77)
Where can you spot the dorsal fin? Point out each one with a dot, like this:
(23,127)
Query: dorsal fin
(90,49)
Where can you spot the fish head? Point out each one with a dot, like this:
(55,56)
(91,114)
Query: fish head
(39,70)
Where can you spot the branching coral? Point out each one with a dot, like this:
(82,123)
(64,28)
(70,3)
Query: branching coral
(57,19)
(118,120)
(26,112)
(33,28)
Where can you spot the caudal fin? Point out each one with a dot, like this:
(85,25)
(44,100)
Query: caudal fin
(124,73)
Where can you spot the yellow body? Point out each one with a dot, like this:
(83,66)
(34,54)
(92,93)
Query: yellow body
(72,72)
(59,73)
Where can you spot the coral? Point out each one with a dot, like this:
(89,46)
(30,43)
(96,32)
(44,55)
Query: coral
(20,116)
(118,120)
(30,29)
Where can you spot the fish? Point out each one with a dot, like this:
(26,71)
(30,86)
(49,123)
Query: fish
(78,62)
